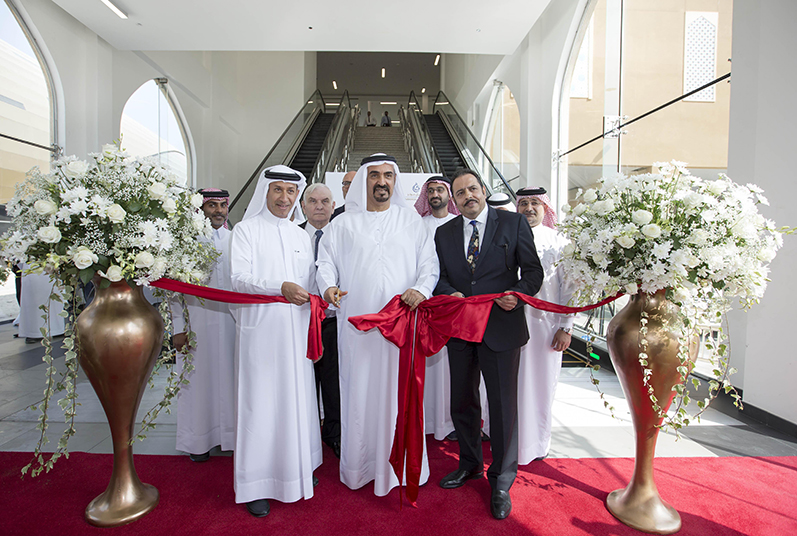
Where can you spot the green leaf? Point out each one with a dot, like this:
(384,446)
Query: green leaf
(86,274)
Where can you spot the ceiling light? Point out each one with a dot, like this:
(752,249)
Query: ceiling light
(442,103)
(115,9)
(388,102)
(423,90)
(334,84)
(337,104)
(383,72)
(437,59)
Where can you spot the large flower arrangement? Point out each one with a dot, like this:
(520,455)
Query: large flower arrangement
(703,241)
(116,216)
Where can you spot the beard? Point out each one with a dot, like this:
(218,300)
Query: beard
(437,203)
(381,193)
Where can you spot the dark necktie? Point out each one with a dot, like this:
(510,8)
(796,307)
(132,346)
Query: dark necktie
(318,234)
(473,247)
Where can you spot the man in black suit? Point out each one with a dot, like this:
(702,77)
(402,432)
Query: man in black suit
(480,252)
(344,186)
(318,206)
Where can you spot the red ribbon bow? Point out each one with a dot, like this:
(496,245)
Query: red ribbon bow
(315,348)
(420,334)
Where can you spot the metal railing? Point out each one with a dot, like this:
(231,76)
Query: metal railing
(282,152)
(469,147)
(334,155)
(417,139)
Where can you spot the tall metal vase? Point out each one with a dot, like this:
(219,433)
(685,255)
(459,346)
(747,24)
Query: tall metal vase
(639,505)
(120,336)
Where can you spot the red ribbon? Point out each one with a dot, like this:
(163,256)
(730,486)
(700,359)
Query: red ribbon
(315,348)
(420,334)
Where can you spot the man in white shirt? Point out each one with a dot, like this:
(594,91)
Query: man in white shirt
(277,434)
(379,249)
(206,406)
(386,121)
(541,357)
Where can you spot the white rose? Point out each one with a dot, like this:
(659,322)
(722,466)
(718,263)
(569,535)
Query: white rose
(169,205)
(115,213)
(197,200)
(716,187)
(590,196)
(641,217)
(44,207)
(49,235)
(144,259)
(625,241)
(198,275)
(580,209)
(156,190)
(766,254)
(109,150)
(160,266)
(568,250)
(693,199)
(114,273)
(75,169)
(699,237)
(651,230)
(631,288)
(598,258)
(603,207)
(84,257)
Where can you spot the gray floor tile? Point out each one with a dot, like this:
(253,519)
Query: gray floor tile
(86,438)
(739,441)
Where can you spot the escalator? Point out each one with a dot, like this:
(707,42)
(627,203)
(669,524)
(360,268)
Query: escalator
(306,157)
(444,143)
(450,157)
(313,143)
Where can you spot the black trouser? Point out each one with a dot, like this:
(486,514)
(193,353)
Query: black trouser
(500,371)
(327,379)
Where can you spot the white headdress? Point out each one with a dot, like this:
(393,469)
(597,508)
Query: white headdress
(269,175)
(357,199)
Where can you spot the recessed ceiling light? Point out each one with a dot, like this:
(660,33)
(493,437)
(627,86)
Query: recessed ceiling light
(334,84)
(337,104)
(383,72)
(437,59)
(115,9)
(423,90)
(442,103)
(388,102)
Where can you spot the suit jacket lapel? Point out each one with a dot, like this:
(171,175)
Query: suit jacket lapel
(457,232)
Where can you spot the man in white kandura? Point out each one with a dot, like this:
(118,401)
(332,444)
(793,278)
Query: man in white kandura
(277,434)
(379,249)
(206,406)
(549,333)
(436,207)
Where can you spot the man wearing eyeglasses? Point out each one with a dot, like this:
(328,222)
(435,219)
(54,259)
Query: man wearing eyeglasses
(347,178)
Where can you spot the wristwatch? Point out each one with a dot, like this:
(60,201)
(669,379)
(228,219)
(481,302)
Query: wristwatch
(566,330)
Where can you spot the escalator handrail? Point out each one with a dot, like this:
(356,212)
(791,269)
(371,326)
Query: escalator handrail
(338,130)
(432,159)
(475,140)
(259,168)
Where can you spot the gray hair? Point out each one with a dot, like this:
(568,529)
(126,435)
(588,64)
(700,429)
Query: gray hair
(315,186)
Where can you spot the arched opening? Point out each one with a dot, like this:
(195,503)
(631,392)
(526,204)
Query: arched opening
(151,126)
(27,103)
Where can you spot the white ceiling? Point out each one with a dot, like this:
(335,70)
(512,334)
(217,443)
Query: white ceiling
(452,26)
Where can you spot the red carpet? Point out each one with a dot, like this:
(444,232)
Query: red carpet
(715,496)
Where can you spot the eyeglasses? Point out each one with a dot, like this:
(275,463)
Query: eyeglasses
(346,183)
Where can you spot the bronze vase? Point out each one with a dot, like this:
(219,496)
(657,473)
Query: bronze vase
(120,336)
(639,505)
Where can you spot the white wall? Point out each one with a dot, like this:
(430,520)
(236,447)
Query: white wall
(236,104)
(761,148)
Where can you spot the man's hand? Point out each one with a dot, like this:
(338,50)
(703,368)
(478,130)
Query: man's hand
(561,341)
(507,302)
(295,293)
(179,340)
(412,297)
(458,295)
(333,296)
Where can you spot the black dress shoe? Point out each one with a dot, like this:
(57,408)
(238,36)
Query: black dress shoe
(335,446)
(315,481)
(258,508)
(500,504)
(458,478)
(200,457)
(452,436)
(32,340)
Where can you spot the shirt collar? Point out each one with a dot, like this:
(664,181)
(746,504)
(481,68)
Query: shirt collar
(481,218)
